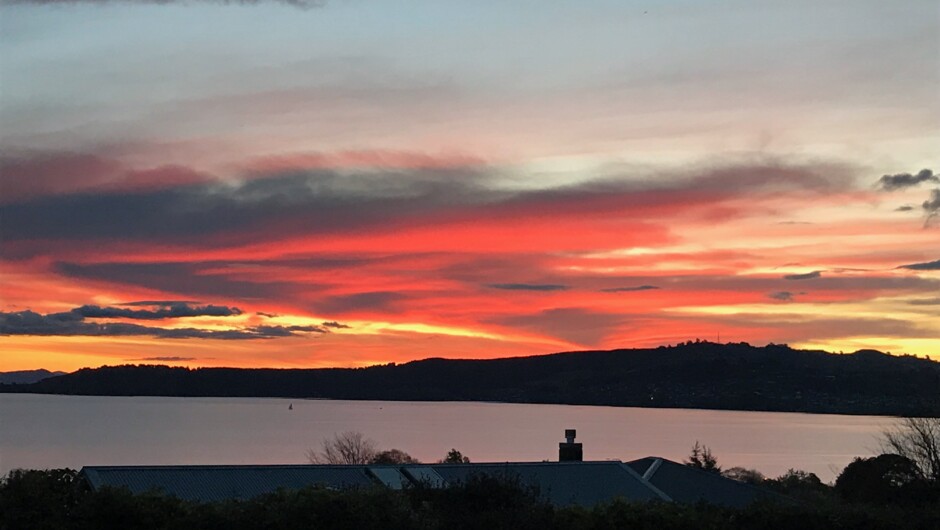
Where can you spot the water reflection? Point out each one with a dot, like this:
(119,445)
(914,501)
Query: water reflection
(39,431)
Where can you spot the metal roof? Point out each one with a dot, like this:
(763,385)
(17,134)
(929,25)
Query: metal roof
(389,476)
(214,483)
(690,485)
(564,483)
(424,475)
(561,483)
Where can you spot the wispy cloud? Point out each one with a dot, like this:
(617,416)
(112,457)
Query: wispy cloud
(576,325)
(906,180)
(169,359)
(316,202)
(804,276)
(926,266)
(629,289)
(902,181)
(528,286)
(932,206)
(169,310)
(925,301)
(305,4)
(74,323)
(158,303)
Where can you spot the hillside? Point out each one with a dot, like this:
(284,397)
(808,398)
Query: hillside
(693,375)
(26,376)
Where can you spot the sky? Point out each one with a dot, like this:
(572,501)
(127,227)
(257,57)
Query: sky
(356,182)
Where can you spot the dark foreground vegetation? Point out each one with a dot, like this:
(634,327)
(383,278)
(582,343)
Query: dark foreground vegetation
(56,499)
(691,375)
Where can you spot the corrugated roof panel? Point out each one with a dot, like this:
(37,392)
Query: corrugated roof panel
(389,476)
(563,483)
(689,485)
(424,475)
(211,483)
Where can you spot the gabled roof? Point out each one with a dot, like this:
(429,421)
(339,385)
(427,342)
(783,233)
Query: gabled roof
(214,483)
(565,483)
(561,483)
(686,484)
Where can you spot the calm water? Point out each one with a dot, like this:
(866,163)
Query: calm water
(39,431)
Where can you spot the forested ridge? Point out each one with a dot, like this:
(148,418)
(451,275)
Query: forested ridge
(690,375)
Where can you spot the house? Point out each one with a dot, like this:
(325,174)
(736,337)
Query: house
(561,483)
(690,485)
(570,481)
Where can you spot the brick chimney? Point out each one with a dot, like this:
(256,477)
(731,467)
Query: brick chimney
(568,451)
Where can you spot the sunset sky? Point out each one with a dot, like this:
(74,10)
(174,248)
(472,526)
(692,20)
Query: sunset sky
(352,182)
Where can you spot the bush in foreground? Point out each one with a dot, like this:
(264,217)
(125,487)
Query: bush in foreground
(56,500)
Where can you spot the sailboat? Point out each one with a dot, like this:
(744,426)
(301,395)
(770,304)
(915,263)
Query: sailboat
(290,407)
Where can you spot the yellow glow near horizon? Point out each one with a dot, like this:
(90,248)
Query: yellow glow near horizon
(802,310)
(929,348)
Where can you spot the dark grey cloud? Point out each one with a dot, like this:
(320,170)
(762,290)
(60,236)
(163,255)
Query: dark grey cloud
(158,303)
(925,301)
(906,180)
(804,276)
(74,324)
(266,315)
(905,208)
(172,310)
(932,206)
(576,325)
(334,324)
(788,330)
(783,296)
(926,266)
(381,301)
(284,331)
(309,203)
(528,286)
(629,289)
(303,4)
(165,359)
(314,202)
(178,277)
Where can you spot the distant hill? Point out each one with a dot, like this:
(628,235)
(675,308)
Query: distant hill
(691,375)
(24,377)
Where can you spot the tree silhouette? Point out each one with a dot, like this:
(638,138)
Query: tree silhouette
(702,458)
(917,439)
(455,457)
(882,479)
(350,447)
(742,474)
(393,456)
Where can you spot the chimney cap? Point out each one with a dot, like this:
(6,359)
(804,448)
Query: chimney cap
(569,451)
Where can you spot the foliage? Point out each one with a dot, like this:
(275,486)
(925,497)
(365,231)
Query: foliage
(455,457)
(747,476)
(918,440)
(883,479)
(37,499)
(348,447)
(800,485)
(702,458)
(55,500)
(393,456)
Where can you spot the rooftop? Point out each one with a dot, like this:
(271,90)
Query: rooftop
(561,483)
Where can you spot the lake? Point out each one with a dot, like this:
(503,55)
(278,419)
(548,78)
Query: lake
(46,431)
